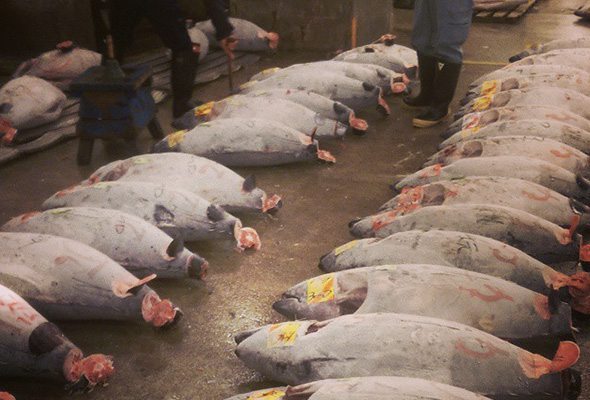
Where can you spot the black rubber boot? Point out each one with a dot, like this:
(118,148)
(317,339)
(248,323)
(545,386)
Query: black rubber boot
(445,85)
(427,73)
(183,72)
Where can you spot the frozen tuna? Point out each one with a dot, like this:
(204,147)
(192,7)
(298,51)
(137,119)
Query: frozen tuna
(559,131)
(583,11)
(28,102)
(577,58)
(579,82)
(60,66)
(568,100)
(549,150)
(465,251)
(396,58)
(355,94)
(245,142)
(495,5)
(559,44)
(493,190)
(200,40)
(322,105)
(67,280)
(177,212)
(527,70)
(535,236)
(367,388)
(132,242)
(285,112)
(250,36)
(529,169)
(479,120)
(493,305)
(31,346)
(199,175)
(407,346)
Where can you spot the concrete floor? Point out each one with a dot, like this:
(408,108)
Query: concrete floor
(195,360)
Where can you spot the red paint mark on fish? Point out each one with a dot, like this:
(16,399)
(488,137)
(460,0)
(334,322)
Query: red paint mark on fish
(541,304)
(509,260)
(27,216)
(409,199)
(544,196)
(495,296)
(21,312)
(432,171)
(59,260)
(566,153)
(120,228)
(560,117)
(383,220)
(484,350)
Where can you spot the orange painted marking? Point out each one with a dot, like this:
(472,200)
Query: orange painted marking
(541,304)
(567,153)
(496,295)
(545,196)
(27,216)
(560,117)
(489,350)
(498,254)
(383,220)
(432,171)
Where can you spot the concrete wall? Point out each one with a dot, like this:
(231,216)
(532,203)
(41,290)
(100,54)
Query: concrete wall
(318,24)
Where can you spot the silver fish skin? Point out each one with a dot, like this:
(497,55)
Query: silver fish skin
(250,37)
(31,346)
(324,106)
(579,82)
(353,93)
(558,44)
(577,58)
(28,102)
(479,120)
(549,150)
(132,242)
(366,388)
(285,112)
(245,142)
(493,190)
(529,169)
(495,5)
(199,175)
(60,66)
(535,236)
(443,351)
(527,71)
(68,280)
(496,306)
(568,100)
(177,212)
(394,58)
(556,130)
(387,45)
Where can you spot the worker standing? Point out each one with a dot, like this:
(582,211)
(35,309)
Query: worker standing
(169,23)
(440,29)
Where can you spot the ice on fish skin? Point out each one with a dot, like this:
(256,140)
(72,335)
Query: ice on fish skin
(177,212)
(199,175)
(549,150)
(68,280)
(199,38)
(568,100)
(498,307)
(579,82)
(351,92)
(324,106)
(367,388)
(386,44)
(250,36)
(535,236)
(493,190)
(479,120)
(527,70)
(577,58)
(31,346)
(27,102)
(286,112)
(558,44)
(406,346)
(132,242)
(60,66)
(529,169)
(245,142)
(556,130)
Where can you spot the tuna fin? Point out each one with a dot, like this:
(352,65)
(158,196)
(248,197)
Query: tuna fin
(175,247)
(519,56)
(315,131)
(339,108)
(369,49)
(388,39)
(582,182)
(249,184)
(411,72)
(240,337)
(553,301)
(578,207)
(214,213)
(368,86)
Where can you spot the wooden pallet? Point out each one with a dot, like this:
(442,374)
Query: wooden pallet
(504,16)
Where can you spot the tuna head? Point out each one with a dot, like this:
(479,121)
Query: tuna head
(176,254)
(382,105)
(483,103)
(324,297)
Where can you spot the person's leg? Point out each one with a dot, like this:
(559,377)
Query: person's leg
(167,19)
(427,66)
(124,17)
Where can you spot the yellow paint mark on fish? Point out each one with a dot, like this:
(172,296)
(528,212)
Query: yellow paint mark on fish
(346,247)
(491,63)
(486,323)
(174,139)
(482,103)
(465,133)
(204,109)
(140,160)
(283,335)
(247,85)
(272,394)
(102,185)
(59,211)
(489,87)
(270,71)
(320,289)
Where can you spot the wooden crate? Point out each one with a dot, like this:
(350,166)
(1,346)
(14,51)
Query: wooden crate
(504,16)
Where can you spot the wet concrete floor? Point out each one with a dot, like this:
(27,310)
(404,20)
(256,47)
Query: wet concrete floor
(195,360)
